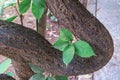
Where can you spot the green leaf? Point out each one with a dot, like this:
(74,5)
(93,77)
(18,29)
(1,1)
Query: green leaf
(35,69)
(5,65)
(83,49)
(24,6)
(11,18)
(50,78)
(42,3)
(10,74)
(61,77)
(68,54)
(1,10)
(60,44)
(38,7)
(65,35)
(37,77)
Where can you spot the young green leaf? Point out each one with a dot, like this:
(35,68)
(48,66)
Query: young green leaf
(60,44)
(35,69)
(38,7)
(61,77)
(42,3)
(68,54)
(11,18)
(5,65)
(37,77)
(1,10)
(66,35)
(50,78)
(24,6)
(10,74)
(83,49)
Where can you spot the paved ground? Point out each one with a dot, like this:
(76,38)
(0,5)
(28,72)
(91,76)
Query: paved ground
(109,14)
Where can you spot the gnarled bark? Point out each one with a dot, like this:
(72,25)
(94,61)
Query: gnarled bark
(17,41)
(74,16)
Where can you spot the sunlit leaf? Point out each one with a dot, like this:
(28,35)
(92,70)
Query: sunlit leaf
(60,44)
(83,49)
(11,18)
(65,35)
(68,54)
(10,74)
(38,7)
(50,78)
(5,65)
(1,10)
(24,6)
(35,69)
(37,77)
(61,77)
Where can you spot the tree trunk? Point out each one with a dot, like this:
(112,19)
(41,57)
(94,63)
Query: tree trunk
(74,16)
(18,42)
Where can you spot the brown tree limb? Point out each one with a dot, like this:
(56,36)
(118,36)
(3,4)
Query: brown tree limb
(74,16)
(17,41)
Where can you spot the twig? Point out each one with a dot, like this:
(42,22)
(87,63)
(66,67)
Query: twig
(20,15)
(37,24)
(96,7)
(92,76)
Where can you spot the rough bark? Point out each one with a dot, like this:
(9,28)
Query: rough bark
(18,42)
(74,16)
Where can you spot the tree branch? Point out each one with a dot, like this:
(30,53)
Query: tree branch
(17,41)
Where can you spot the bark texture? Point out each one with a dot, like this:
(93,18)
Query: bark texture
(20,43)
(74,16)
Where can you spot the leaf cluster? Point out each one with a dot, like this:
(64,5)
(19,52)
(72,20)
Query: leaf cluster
(66,45)
(39,74)
(37,7)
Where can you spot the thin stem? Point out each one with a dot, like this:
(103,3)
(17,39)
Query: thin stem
(96,7)
(20,15)
(92,76)
(37,25)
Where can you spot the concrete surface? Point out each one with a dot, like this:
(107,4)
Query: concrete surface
(109,14)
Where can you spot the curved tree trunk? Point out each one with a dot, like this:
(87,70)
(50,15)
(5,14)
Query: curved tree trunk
(18,42)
